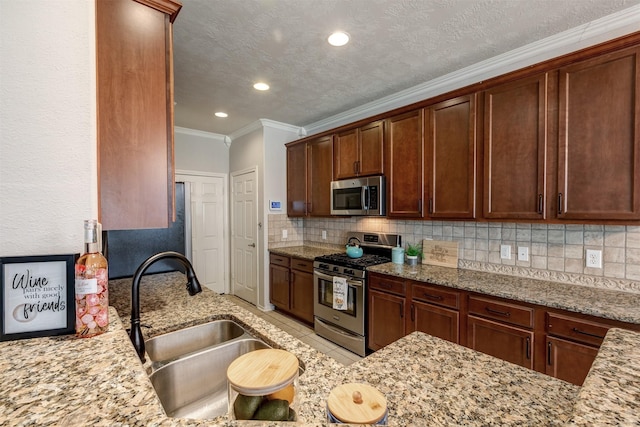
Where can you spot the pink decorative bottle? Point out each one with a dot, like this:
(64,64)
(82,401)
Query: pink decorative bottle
(92,294)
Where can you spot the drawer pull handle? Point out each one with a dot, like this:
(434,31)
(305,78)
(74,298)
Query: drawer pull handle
(528,348)
(549,354)
(499,313)
(433,297)
(578,331)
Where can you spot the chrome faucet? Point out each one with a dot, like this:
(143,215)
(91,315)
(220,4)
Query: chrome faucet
(193,287)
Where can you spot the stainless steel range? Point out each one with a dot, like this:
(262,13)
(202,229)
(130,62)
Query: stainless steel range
(345,323)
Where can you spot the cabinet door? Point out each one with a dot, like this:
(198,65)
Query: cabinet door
(297,180)
(451,158)
(135,114)
(599,138)
(346,154)
(437,321)
(515,122)
(279,286)
(319,176)
(302,295)
(502,341)
(404,165)
(569,361)
(386,319)
(371,146)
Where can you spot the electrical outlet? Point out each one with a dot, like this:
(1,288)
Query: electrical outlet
(324,234)
(523,253)
(593,258)
(284,234)
(505,251)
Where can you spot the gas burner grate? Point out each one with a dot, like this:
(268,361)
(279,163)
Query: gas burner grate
(367,260)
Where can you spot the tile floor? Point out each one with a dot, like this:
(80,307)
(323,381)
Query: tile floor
(299,330)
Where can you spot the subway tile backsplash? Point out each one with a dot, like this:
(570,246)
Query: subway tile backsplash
(556,251)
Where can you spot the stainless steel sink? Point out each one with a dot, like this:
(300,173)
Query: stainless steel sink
(195,386)
(173,345)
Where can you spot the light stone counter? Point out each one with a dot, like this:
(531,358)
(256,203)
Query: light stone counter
(427,381)
(606,303)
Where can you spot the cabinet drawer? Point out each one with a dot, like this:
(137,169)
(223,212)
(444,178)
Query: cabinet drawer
(576,329)
(505,312)
(435,295)
(279,260)
(385,284)
(302,264)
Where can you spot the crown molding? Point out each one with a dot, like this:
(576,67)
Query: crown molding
(199,133)
(595,32)
(265,123)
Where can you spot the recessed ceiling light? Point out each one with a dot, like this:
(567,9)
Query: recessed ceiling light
(339,38)
(261,86)
(221,114)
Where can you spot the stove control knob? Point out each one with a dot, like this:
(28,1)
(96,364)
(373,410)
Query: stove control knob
(336,268)
(348,272)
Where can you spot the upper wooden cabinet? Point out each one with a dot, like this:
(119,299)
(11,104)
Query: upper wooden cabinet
(135,113)
(404,165)
(309,175)
(515,148)
(358,152)
(451,158)
(599,138)
(297,179)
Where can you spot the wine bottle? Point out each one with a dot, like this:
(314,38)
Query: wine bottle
(92,293)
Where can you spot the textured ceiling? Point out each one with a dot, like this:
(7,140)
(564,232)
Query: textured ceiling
(221,47)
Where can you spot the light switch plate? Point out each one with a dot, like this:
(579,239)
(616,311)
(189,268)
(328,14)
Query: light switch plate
(284,234)
(505,251)
(523,253)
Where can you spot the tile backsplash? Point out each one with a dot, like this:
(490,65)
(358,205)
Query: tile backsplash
(556,251)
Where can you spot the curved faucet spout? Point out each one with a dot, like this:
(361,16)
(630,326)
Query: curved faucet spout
(193,287)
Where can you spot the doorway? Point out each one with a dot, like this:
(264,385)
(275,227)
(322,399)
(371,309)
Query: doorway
(244,235)
(209,238)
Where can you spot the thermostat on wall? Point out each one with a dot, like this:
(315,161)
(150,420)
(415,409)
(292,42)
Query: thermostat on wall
(275,205)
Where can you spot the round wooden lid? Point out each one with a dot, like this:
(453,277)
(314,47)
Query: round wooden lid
(262,371)
(343,407)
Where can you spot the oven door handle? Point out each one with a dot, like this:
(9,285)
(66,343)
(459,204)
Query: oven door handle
(329,278)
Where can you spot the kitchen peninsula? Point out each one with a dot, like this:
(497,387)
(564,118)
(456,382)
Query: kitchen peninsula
(100,381)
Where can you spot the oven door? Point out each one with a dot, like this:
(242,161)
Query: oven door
(351,319)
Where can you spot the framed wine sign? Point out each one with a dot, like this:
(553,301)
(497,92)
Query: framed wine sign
(37,296)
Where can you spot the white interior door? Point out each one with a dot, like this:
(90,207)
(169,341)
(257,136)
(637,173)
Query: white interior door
(208,238)
(244,235)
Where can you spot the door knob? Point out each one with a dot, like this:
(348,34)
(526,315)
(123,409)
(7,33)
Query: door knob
(253,245)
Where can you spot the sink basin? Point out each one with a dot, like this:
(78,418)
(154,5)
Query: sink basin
(195,386)
(173,345)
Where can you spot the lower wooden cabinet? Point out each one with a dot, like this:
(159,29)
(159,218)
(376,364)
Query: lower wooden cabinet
(437,321)
(301,297)
(291,286)
(386,319)
(569,361)
(503,341)
(279,281)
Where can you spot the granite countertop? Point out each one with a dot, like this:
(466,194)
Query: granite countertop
(605,303)
(100,380)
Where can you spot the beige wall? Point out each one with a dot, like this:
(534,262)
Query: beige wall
(48,175)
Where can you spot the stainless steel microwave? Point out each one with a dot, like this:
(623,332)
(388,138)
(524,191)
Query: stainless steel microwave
(359,196)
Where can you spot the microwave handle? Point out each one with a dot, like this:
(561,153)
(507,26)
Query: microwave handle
(365,197)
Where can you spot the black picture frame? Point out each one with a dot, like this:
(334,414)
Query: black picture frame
(37,296)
